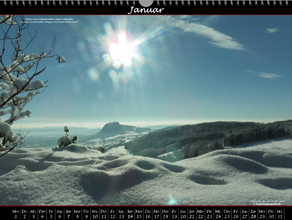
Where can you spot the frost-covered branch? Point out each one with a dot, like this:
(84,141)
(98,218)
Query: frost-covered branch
(16,90)
(66,140)
(6,137)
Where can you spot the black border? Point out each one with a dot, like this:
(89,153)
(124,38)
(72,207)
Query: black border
(230,8)
(10,215)
(169,8)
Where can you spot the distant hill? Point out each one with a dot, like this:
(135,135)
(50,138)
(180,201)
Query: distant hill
(115,128)
(193,140)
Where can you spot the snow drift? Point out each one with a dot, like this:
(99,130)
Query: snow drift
(259,172)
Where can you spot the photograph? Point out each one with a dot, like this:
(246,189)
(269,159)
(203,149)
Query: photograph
(159,110)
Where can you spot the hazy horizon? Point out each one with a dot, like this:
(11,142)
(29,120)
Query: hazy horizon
(99,125)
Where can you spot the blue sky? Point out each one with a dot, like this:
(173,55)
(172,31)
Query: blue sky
(182,70)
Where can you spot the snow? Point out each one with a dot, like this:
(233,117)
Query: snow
(76,175)
(37,84)
(3,86)
(64,141)
(5,130)
(31,56)
(61,59)
(8,21)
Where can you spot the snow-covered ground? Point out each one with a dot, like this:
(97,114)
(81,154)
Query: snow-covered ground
(258,173)
(50,141)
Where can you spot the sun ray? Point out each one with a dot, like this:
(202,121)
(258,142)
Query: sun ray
(123,51)
(127,53)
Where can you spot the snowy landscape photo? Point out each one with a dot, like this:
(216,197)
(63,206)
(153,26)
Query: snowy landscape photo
(145,110)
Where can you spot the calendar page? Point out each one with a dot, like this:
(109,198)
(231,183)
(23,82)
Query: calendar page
(145,110)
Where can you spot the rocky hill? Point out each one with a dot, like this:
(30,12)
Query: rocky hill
(115,128)
(193,140)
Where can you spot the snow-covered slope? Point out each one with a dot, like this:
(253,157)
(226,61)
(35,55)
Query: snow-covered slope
(246,175)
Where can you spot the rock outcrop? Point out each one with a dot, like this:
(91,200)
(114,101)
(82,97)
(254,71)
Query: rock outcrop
(115,128)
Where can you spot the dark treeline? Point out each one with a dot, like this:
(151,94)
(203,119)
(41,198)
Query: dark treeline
(258,132)
(194,140)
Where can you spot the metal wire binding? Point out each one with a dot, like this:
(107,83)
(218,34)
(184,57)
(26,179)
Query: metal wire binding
(164,2)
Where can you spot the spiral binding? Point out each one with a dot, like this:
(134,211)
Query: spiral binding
(163,2)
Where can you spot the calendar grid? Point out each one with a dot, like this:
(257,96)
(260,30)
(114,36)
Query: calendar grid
(148,213)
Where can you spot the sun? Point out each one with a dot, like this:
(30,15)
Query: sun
(122,51)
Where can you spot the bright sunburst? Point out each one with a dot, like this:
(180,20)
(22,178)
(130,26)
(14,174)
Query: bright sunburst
(123,51)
